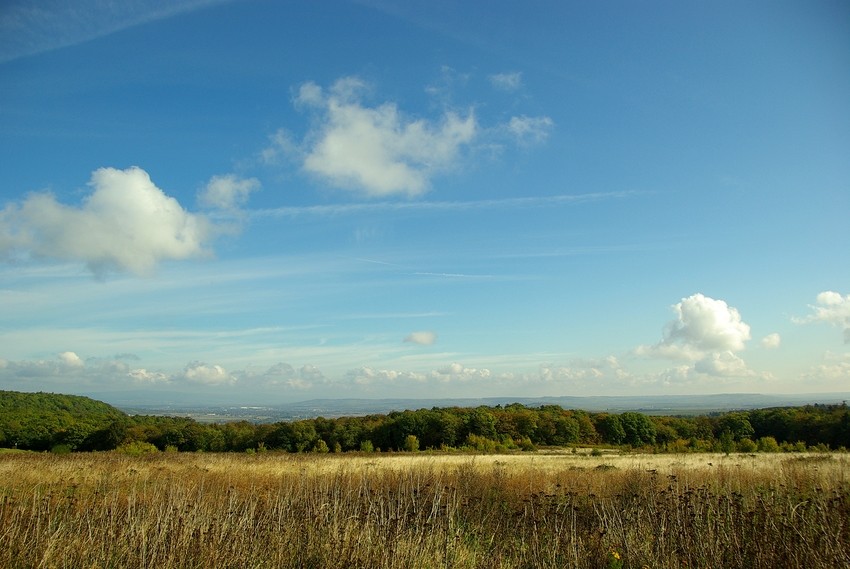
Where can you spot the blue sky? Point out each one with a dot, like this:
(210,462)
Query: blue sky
(274,201)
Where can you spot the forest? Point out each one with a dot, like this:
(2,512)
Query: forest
(67,423)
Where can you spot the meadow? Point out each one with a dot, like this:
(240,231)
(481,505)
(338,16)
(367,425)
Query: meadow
(423,510)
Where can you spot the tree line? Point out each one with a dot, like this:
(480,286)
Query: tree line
(41,421)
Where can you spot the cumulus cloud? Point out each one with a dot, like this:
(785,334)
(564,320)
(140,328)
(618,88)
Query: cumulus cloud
(227,192)
(707,325)
(706,332)
(375,150)
(144,376)
(54,374)
(833,308)
(723,364)
(771,341)
(366,375)
(126,223)
(71,359)
(423,338)
(506,81)
(458,372)
(198,372)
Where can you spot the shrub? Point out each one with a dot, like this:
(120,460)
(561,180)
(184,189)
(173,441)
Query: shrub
(137,448)
(411,443)
(767,444)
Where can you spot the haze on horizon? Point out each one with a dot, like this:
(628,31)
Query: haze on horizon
(277,202)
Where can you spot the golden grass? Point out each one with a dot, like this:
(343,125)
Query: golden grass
(421,510)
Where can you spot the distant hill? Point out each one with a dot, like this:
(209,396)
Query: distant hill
(42,420)
(649,404)
(190,404)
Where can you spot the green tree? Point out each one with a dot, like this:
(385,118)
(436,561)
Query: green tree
(638,429)
(611,429)
(736,424)
(411,443)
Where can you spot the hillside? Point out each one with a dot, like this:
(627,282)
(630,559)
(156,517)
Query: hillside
(40,421)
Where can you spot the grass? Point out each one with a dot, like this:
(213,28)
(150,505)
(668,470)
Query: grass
(186,510)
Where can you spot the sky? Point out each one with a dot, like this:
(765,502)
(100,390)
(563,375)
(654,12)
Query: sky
(265,202)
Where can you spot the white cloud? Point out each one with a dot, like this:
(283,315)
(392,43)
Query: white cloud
(142,375)
(71,359)
(836,368)
(530,130)
(706,332)
(366,375)
(833,308)
(310,94)
(423,338)
(126,223)
(457,372)
(723,364)
(202,373)
(771,341)
(507,81)
(707,325)
(227,192)
(377,151)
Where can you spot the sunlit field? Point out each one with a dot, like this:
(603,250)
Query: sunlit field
(184,510)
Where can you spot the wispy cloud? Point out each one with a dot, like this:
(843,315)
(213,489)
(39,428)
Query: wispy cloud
(422,338)
(529,130)
(29,28)
(833,308)
(441,206)
(506,81)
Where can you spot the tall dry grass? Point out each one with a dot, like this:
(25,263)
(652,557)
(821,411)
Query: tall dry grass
(204,510)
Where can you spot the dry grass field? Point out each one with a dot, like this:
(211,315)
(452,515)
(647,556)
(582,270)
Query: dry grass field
(169,510)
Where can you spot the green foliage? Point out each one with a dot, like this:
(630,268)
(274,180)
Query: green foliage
(41,421)
(611,429)
(137,448)
(411,443)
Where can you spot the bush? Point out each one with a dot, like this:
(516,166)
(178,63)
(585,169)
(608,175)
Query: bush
(366,446)
(411,443)
(137,448)
(767,444)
